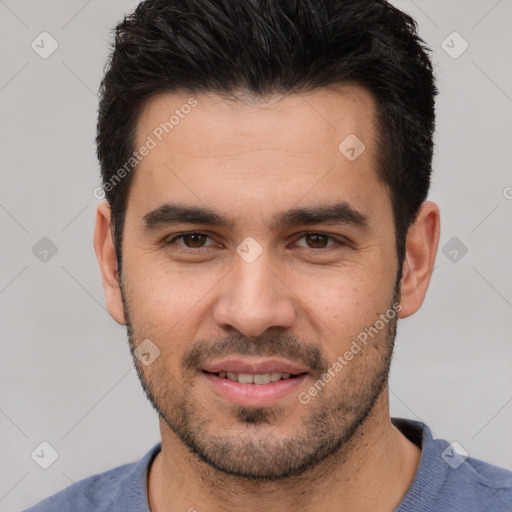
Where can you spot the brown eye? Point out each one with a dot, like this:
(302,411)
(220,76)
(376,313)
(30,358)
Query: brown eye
(316,240)
(194,240)
(191,241)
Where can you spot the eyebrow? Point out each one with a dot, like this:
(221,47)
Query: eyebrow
(337,213)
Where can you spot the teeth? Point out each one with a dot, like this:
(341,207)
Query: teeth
(262,378)
(249,378)
(245,378)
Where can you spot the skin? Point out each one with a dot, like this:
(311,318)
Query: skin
(249,160)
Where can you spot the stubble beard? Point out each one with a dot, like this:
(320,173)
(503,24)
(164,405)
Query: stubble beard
(255,449)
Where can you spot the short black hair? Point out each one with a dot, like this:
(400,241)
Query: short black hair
(267,47)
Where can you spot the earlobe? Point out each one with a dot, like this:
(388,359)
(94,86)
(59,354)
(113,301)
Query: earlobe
(421,248)
(106,255)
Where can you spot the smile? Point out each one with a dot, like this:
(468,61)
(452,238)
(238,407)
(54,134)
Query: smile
(258,378)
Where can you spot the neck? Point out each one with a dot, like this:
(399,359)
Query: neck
(372,471)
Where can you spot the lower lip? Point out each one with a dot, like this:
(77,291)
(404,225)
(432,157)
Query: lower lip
(254,395)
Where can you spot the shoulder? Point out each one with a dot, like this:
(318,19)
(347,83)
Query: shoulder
(478,482)
(448,479)
(123,487)
(85,494)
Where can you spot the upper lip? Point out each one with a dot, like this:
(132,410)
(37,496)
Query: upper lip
(254,366)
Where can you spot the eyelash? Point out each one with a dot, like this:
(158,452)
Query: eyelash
(184,248)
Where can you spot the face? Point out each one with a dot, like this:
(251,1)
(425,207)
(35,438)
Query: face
(257,249)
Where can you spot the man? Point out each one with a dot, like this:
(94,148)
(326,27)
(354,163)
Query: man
(266,165)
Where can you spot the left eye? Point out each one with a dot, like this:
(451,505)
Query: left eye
(319,240)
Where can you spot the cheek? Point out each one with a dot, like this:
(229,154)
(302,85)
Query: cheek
(159,290)
(341,305)
(167,307)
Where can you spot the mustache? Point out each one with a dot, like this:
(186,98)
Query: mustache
(270,344)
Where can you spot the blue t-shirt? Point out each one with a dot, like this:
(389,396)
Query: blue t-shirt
(445,481)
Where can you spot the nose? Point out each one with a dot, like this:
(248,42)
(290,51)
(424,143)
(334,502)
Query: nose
(253,298)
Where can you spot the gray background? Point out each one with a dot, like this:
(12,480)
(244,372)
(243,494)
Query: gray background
(67,377)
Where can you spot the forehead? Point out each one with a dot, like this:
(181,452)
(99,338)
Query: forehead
(214,125)
(253,154)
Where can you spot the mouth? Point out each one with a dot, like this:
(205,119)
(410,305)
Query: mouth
(254,382)
(255,378)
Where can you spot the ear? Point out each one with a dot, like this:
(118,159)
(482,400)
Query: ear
(106,254)
(421,248)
